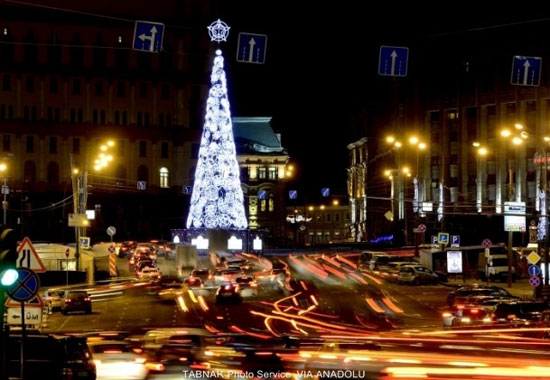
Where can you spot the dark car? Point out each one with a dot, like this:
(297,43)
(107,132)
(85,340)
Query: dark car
(417,275)
(512,311)
(51,357)
(203,274)
(77,300)
(466,294)
(127,248)
(228,292)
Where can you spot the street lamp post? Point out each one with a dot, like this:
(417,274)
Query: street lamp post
(5,191)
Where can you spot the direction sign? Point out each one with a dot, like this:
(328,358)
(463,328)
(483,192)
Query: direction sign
(434,239)
(421,228)
(533,258)
(325,192)
(292,194)
(111,230)
(443,238)
(141,185)
(28,258)
(5,190)
(262,194)
(526,70)
(534,281)
(187,189)
(33,316)
(455,240)
(393,61)
(148,36)
(534,270)
(251,48)
(26,286)
(85,242)
(487,243)
(78,220)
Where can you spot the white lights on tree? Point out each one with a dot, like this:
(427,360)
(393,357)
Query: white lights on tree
(217,197)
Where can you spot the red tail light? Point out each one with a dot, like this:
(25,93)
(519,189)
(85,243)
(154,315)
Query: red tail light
(87,299)
(68,300)
(474,311)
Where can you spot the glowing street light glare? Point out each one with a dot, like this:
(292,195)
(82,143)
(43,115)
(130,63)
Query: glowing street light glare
(109,158)
(421,146)
(3,167)
(103,148)
(505,133)
(387,173)
(413,140)
(476,144)
(75,171)
(335,202)
(546,138)
(97,167)
(110,143)
(322,207)
(517,141)
(482,151)
(310,208)
(290,167)
(524,135)
(397,144)
(406,170)
(518,126)
(390,139)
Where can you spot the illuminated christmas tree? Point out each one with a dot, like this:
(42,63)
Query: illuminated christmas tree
(217,198)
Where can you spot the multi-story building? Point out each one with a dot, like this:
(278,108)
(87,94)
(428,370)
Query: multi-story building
(357,188)
(69,80)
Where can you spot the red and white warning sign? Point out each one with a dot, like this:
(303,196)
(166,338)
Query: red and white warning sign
(28,258)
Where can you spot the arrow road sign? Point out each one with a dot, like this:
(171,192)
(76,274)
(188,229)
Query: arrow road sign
(251,48)
(26,286)
(262,194)
(325,191)
(534,270)
(293,194)
(148,36)
(33,316)
(526,70)
(393,61)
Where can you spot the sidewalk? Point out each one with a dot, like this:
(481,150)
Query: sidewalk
(520,288)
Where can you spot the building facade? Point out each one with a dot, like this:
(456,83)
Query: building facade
(357,188)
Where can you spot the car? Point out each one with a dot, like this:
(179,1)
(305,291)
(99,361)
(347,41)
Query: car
(193,281)
(127,248)
(77,300)
(117,360)
(149,273)
(466,316)
(203,274)
(248,286)
(228,292)
(517,311)
(224,275)
(159,246)
(55,299)
(146,249)
(50,357)
(462,294)
(417,275)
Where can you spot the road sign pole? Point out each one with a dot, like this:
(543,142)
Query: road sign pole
(510,241)
(22,349)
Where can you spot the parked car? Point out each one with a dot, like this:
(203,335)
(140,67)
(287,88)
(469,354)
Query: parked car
(77,300)
(463,294)
(50,357)
(228,292)
(417,275)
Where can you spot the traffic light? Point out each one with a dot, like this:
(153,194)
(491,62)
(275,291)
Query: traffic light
(8,255)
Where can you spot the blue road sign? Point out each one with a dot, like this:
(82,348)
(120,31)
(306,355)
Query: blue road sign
(251,48)
(393,61)
(187,189)
(262,194)
(325,191)
(434,239)
(534,281)
(292,194)
(148,36)
(534,270)
(455,240)
(26,286)
(141,185)
(526,70)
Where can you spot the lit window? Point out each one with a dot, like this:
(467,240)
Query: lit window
(164,177)
(261,173)
(272,173)
(271,205)
(262,205)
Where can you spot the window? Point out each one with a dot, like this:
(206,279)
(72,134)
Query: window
(117,118)
(53,172)
(30,84)
(124,118)
(120,148)
(6,143)
(80,115)
(121,90)
(164,149)
(271,204)
(161,119)
(147,119)
(6,82)
(143,173)
(261,173)
(143,148)
(76,146)
(102,117)
(30,144)
(168,120)
(53,85)
(73,115)
(165,92)
(164,177)
(50,114)
(99,88)
(139,119)
(263,203)
(76,86)
(53,144)
(143,91)
(34,113)
(272,173)
(94,117)
(329,217)
(337,217)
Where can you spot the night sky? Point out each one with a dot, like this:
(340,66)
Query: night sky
(320,80)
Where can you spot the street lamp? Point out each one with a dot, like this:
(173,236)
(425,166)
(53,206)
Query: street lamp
(5,190)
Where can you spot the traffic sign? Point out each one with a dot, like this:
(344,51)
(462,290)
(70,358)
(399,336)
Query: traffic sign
(533,258)
(78,220)
(28,258)
(292,194)
(26,286)
(455,240)
(187,189)
(36,301)
(325,192)
(262,194)
(421,228)
(148,36)
(534,270)
(534,281)
(85,242)
(443,238)
(251,48)
(5,190)
(486,243)
(111,249)
(141,185)
(111,230)
(33,316)
(393,61)
(526,70)
(434,239)
(67,252)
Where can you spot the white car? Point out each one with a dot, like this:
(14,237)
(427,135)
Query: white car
(115,360)
(149,273)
